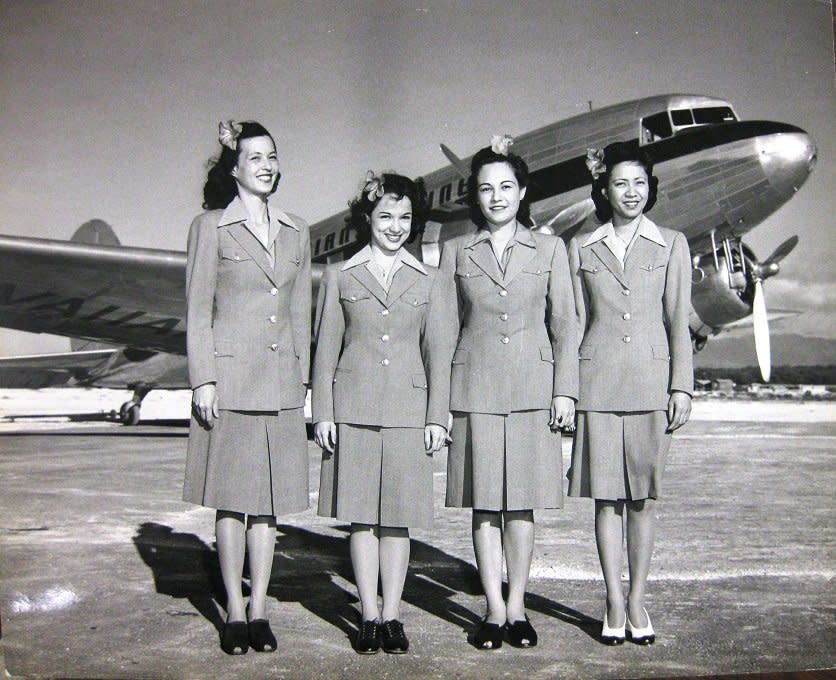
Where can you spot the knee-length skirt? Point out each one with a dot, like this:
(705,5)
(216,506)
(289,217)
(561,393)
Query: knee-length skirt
(252,462)
(619,455)
(504,462)
(378,475)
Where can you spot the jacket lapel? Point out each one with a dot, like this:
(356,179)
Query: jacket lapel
(482,256)
(365,278)
(524,250)
(403,280)
(245,238)
(610,261)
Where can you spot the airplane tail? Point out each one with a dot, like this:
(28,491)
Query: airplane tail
(100,233)
(97,232)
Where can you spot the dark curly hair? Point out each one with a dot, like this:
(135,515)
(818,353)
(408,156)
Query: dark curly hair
(220,187)
(360,207)
(622,152)
(487,156)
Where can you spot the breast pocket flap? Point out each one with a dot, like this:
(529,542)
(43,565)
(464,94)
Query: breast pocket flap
(419,380)
(546,353)
(460,356)
(234,255)
(589,267)
(660,352)
(224,348)
(354,296)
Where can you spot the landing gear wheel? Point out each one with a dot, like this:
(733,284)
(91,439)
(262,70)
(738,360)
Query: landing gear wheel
(129,413)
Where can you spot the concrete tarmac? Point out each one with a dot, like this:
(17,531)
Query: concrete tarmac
(105,573)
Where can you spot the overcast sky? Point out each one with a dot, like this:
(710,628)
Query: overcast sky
(110,109)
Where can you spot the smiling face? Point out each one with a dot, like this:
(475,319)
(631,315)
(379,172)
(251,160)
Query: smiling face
(391,222)
(627,191)
(499,194)
(257,169)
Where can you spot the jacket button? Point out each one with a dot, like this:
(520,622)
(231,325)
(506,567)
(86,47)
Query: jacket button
(272,318)
(274,347)
(626,291)
(626,316)
(353,298)
(384,312)
(237,258)
(503,293)
(503,317)
(626,338)
(274,291)
(384,338)
(505,340)
(385,362)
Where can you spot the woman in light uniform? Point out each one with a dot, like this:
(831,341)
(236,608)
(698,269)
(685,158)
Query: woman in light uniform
(513,382)
(632,283)
(380,397)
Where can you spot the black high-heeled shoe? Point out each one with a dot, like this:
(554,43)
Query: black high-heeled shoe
(521,633)
(235,639)
(488,635)
(261,637)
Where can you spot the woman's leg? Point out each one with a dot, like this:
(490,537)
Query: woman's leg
(261,542)
(519,550)
(641,531)
(487,544)
(365,560)
(230,536)
(610,538)
(394,560)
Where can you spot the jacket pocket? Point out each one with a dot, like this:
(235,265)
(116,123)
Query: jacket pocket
(415,299)
(224,348)
(590,267)
(354,296)
(460,356)
(537,269)
(651,267)
(419,380)
(469,273)
(586,351)
(546,354)
(234,255)
(660,352)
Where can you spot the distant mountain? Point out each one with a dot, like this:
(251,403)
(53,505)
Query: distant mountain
(738,350)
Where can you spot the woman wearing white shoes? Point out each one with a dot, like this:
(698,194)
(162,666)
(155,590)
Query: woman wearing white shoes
(632,283)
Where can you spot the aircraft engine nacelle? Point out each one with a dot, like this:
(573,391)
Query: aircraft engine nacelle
(717,298)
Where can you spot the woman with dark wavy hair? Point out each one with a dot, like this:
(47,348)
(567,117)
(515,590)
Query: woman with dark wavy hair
(632,283)
(248,292)
(380,397)
(513,383)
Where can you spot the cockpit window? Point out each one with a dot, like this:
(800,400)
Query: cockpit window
(682,117)
(713,115)
(656,127)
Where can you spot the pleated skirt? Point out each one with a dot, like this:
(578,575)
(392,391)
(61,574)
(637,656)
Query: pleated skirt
(379,476)
(252,462)
(619,455)
(504,462)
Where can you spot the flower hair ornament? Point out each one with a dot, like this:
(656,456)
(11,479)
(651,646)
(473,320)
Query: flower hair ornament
(372,187)
(595,162)
(228,133)
(501,143)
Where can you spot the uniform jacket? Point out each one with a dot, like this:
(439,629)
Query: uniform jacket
(248,321)
(635,347)
(380,357)
(517,344)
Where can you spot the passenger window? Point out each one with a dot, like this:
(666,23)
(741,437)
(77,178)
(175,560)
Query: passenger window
(682,117)
(713,115)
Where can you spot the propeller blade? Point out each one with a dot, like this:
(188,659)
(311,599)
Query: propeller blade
(457,162)
(761,329)
(783,250)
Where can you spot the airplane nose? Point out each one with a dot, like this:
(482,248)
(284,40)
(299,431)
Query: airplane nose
(787,159)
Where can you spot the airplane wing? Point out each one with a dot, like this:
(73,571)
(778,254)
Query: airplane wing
(47,370)
(125,296)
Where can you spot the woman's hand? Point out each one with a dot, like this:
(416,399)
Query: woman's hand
(679,410)
(435,437)
(205,404)
(325,434)
(562,414)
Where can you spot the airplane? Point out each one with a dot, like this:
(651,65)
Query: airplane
(719,177)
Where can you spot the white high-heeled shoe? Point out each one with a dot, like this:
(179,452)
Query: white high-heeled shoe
(610,635)
(644,635)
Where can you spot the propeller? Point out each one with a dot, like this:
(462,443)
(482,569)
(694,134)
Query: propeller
(760,319)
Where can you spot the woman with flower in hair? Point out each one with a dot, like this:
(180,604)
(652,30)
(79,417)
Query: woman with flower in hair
(248,291)
(632,285)
(380,397)
(513,382)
